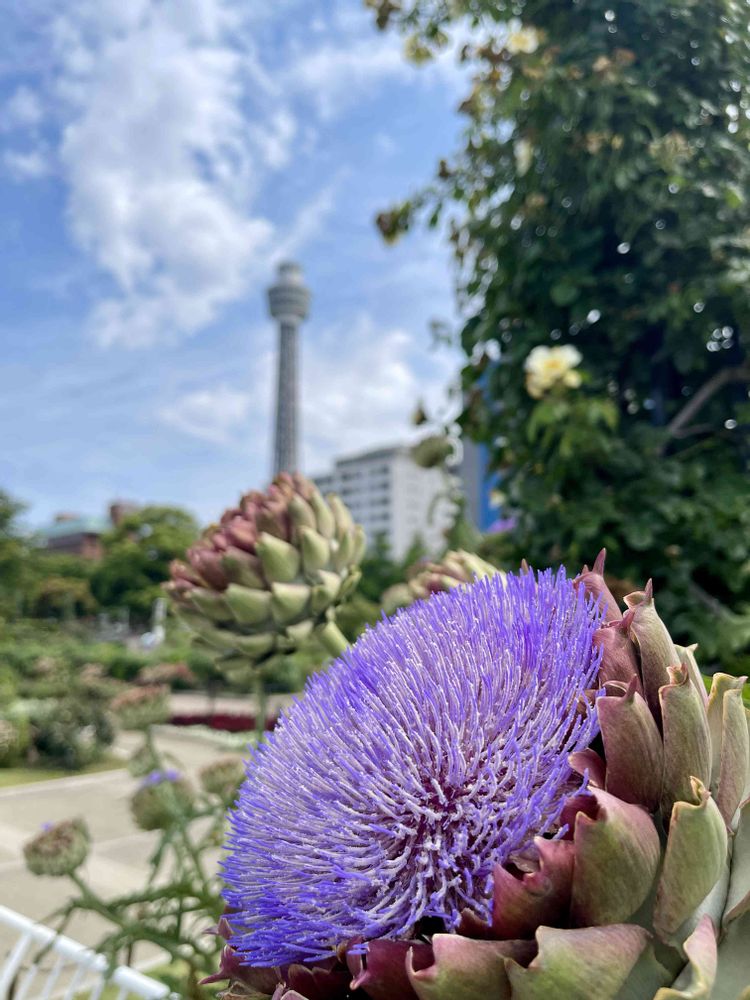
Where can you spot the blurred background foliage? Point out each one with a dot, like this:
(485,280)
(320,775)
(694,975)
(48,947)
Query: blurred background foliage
(600,199)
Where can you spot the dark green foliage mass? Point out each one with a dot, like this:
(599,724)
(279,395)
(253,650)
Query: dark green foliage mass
(12,553)
(602,200)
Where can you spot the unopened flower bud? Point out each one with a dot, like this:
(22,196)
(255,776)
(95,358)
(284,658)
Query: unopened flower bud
(60,849)
(223,777)
(162,800)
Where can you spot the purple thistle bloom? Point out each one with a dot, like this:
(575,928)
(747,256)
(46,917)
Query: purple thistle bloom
(157,777)
(432,750)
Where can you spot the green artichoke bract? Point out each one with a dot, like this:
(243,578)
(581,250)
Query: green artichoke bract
(270,574)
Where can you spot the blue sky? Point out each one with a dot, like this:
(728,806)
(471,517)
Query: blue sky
(157,159)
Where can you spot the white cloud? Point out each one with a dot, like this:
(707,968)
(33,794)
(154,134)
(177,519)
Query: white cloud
(309,221)
(355,58)
(362,385)
(336,74)
(159,161)
(23,109)
(359,387)
(274,138)
(213,414)
(24,166)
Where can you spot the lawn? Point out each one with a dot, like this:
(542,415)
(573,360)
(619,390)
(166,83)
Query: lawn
(10,776)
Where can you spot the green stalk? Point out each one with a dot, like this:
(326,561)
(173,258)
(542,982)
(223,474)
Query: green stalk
(261,704)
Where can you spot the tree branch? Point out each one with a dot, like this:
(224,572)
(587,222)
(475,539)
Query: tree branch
(706,391)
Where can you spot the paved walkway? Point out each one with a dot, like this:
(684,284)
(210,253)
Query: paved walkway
(118,859)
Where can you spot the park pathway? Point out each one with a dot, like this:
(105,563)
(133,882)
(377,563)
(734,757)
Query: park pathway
(119,854)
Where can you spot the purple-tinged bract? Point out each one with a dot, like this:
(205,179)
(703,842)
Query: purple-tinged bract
(433,749)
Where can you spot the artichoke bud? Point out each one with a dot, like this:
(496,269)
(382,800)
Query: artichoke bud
(249,607)
(301,631)
(254,646)
(219,638)
(342,517)
(301,513)
(239,673)
(349,584)
(279,559)
(325,593)
(60,849)
(316,550)
(360,544)
(242,568)
(289,601)
(210,604)
(162,801)
(237,669)
(432,451)
(342,554)
(325,522)
(223,777)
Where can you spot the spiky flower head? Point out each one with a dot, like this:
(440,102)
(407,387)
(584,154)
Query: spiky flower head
(60,848)
(223,776)
(434,749)
(269,574)
(163,799)
(139,708)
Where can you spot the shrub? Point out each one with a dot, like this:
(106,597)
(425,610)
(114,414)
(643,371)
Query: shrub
(70,732)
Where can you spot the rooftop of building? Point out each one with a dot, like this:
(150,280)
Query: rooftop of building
(370,454)
(75,525)
(66,524)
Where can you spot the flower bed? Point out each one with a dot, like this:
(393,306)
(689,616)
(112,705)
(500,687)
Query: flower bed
(228,722)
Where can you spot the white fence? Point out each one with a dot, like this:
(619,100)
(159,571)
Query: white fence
(68,970)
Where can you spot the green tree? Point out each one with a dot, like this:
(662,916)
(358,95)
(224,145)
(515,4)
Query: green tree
(601,202)
(13,553)
(137,554)
(381,571)
(64,597)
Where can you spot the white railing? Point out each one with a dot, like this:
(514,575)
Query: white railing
(67,971)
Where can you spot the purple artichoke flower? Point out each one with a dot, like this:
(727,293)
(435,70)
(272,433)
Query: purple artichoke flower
(157,776)
(433,750)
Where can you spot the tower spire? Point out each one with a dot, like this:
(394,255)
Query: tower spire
(288,302)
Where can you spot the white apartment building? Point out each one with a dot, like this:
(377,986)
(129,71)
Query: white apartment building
(390,495)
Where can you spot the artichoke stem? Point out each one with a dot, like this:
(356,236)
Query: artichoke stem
(333,639)
(261,704)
